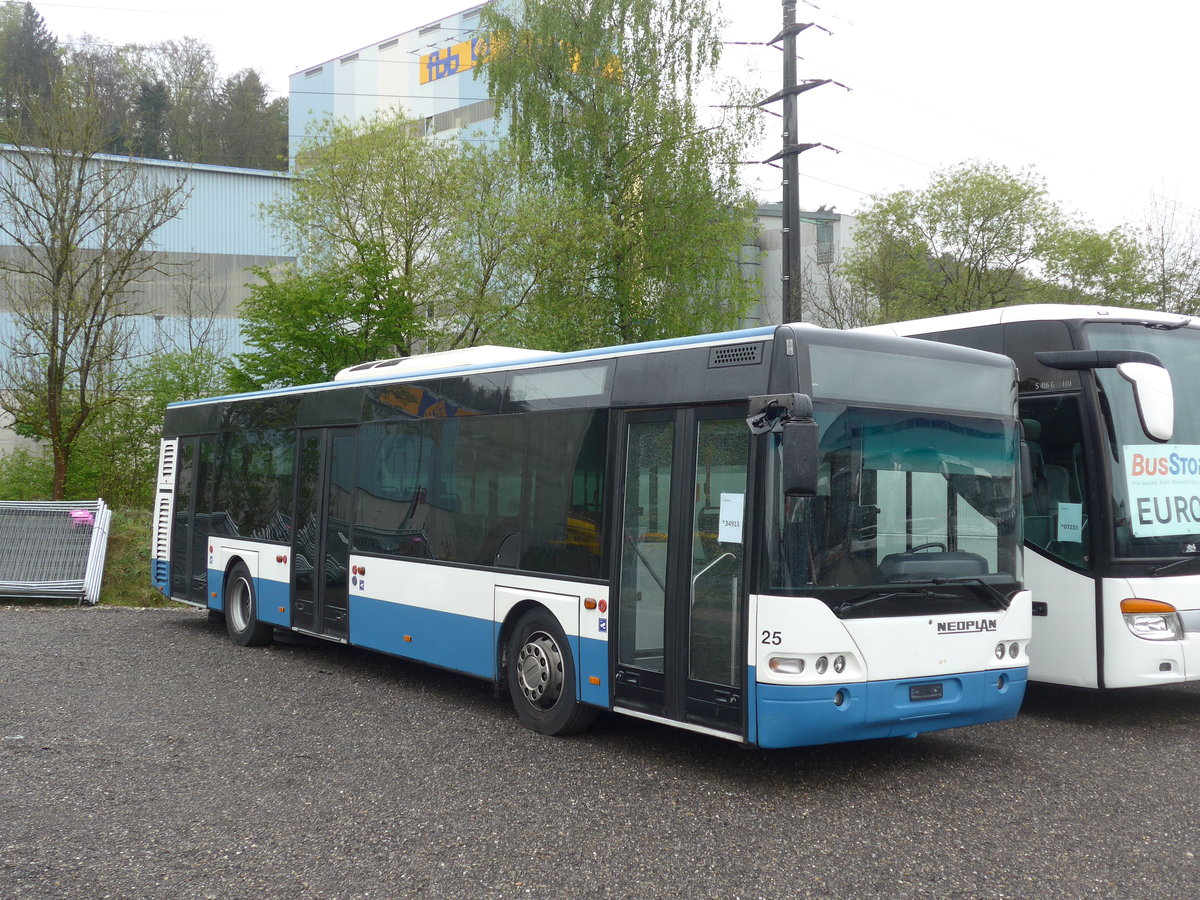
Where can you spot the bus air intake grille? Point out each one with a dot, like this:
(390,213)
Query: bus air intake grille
(735,355)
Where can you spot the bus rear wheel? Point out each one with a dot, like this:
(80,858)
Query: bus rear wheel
(541,676)
(241,610)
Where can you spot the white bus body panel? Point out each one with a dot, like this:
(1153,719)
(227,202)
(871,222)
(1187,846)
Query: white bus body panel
(883,649)
(1063,649)
(1131,661)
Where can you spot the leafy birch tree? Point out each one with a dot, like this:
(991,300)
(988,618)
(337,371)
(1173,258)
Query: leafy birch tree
(600,99)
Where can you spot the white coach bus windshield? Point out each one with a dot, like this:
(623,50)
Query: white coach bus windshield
(780,536)
(1155,486)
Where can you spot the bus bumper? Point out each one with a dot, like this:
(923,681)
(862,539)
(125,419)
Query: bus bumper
(800,715)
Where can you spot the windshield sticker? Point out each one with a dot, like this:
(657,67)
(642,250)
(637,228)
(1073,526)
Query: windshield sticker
(1164,488)
(1070,522)
(730,529)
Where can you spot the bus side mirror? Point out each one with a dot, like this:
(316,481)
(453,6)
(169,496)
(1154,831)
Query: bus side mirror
(1152,392)
(1026,471)
(801,453)
(1154,397)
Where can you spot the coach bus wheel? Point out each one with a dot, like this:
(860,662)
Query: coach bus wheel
(241,610)
(541,676)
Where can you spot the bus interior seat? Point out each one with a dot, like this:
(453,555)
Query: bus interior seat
(1051,486)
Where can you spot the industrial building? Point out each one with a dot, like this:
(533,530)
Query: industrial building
(206,251)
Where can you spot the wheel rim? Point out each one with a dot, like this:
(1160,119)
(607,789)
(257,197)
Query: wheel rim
(540,670)
(240,605)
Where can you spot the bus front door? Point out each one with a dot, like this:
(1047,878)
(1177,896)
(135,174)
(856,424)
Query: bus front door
(680,596)
(321,536)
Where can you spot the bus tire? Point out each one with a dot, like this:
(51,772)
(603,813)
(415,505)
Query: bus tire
(541,676)
(241,610)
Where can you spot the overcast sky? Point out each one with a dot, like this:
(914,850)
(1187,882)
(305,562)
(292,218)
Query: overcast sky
(1097,96)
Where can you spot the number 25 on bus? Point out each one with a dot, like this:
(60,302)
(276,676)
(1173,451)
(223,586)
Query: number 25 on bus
(780,536)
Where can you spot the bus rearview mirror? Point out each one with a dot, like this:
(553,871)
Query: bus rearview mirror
(1026,470)
(801,453)
(1153,396)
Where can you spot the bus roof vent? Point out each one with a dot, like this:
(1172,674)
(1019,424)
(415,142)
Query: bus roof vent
(485,355)
(735,355)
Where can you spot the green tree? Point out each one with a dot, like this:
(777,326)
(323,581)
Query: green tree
(117,453)
(510,257)
(188,68)
(30,61)
(981,236)
(108,75)
(305,327)
(150,110)
(369,208)
(252,131)
(964,243)
(1082,265)
(600,98)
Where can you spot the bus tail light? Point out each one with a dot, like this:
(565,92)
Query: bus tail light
(1151,620)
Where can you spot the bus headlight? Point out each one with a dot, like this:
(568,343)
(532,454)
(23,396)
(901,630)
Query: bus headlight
(786,665)
(1151,620)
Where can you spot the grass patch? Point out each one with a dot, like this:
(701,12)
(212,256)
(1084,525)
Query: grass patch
(127,565)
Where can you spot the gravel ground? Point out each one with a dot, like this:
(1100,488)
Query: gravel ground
(143,755)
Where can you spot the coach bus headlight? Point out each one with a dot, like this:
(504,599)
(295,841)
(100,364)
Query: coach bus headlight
(786,665)
(1151,620)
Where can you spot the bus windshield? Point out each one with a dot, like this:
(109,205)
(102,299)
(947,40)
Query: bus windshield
(1156,487)
(904,497)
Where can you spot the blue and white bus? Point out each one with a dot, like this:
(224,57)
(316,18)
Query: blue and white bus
(1112,523)
(779,536)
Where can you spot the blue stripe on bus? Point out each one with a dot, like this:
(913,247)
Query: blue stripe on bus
(216,589)
(274,600)
(458,642)
(591,658)
(463,643)
(269,595)
(799,715)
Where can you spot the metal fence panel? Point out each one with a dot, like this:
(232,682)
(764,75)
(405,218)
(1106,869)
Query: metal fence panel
(53,550)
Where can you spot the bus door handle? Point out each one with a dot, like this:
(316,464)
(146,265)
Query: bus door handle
(728,554)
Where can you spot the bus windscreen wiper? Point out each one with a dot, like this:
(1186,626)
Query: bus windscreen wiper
(871,598)
(1172,566)
(1000,600)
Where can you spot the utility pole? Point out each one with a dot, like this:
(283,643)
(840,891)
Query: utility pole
(793,308)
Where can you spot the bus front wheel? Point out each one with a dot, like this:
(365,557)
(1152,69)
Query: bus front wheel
(541,676)
(241,610)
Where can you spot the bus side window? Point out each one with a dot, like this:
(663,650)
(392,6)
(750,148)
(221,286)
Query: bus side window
(1056,512)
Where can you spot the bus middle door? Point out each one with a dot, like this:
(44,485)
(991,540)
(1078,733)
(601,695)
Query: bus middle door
(321,538)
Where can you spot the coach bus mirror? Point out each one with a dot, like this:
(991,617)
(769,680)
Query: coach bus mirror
(1154,397)
(801,453)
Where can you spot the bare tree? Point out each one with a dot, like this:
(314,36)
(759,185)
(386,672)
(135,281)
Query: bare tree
(81,226)
(1170,245)
(831,300)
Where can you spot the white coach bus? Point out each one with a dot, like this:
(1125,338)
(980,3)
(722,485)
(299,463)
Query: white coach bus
(1112,526)
(779,536)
